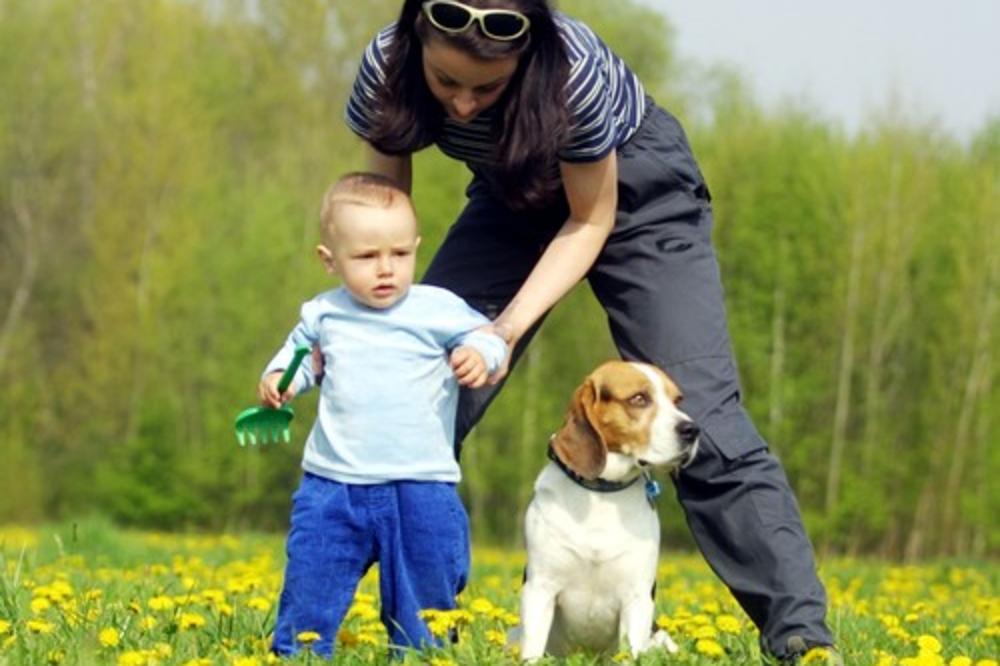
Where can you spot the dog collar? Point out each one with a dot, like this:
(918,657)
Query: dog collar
(599,485)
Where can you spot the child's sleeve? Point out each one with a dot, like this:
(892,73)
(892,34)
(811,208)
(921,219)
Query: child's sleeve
(491,346)
(305,334)
(461,323)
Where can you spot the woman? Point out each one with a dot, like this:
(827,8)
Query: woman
(577,173)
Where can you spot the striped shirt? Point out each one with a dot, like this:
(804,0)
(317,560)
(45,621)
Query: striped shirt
(605,98)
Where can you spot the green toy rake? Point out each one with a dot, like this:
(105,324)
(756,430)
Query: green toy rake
(266,425)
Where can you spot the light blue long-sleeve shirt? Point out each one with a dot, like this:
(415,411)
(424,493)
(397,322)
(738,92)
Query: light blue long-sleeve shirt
(388,397)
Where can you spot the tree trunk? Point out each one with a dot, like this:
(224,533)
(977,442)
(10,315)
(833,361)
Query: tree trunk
(29,272)
(775,412)
(842,409)
(978,371)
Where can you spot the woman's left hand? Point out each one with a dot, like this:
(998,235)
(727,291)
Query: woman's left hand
(505,332)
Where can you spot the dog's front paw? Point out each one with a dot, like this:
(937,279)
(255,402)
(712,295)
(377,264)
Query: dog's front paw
(661,639)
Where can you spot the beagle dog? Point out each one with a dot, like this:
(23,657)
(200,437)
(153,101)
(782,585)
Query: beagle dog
(593,535)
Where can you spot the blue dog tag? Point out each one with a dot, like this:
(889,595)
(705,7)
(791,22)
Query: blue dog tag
(652,490)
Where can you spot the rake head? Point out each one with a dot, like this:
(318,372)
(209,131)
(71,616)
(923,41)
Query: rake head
(264,425)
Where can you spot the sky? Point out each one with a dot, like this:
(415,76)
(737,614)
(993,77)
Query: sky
(849,58)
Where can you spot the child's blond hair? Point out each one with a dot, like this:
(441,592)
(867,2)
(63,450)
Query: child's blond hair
(362,189)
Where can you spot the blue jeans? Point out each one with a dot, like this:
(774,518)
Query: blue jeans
(418,532)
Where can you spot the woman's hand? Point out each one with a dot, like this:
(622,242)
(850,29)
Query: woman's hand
(506,333)
(267,390)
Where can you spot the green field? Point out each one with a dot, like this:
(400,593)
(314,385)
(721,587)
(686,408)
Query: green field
(94,594)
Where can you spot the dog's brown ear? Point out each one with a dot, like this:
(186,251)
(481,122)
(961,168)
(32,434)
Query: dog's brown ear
(579,444)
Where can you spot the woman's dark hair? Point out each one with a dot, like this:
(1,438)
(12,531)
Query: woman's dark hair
(532,117)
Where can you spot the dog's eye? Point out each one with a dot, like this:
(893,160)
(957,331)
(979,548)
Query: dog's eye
(640,399)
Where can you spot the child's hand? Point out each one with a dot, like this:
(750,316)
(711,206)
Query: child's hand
(468,366)
(268,391)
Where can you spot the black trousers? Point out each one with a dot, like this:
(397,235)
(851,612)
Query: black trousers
(658,280)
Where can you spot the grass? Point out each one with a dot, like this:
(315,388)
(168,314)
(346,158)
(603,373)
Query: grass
(90,593)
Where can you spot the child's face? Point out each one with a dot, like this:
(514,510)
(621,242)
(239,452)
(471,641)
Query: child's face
(374,252)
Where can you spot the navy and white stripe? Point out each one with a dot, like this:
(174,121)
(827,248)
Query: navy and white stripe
(606,100)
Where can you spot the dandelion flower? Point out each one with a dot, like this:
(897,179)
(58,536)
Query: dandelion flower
(709,648)
(40,626)
(109,637)
(259,604)
(4,627)
(307,637)
(704,632)
(728,624)
(246,661)
(160,603)
(133,658)
(496,637)
(40,604)
(960,661)
(191,621)
(928,644)
(481,606)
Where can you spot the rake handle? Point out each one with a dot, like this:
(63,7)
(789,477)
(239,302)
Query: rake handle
(286,377)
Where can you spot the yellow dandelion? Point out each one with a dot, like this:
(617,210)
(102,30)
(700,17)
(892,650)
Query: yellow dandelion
(960,661)
(109,637)
(190,621)
(884,658)
(928,644)
(986,662)
(709,648)
(55,657)
(704,632)
(4,627)
(496,637)
(245,661)
(439,626)
(481,606)
(259,604)
(148,623)
(346,637)
(40,626)
(818,655)
(307,637)
(441,661)
(160,603)
(961,630)
(40,604)
(363,610)
(367,638)
(198,661)
(728,624)
(133,658)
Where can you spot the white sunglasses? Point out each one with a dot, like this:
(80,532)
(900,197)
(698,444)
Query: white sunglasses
(453,17)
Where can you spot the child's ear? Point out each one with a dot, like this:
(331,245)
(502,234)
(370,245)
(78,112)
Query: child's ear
(326,258)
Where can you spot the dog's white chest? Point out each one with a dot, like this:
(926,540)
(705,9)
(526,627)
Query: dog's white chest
(595,552)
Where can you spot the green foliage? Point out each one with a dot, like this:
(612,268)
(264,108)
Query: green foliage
(161,165)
